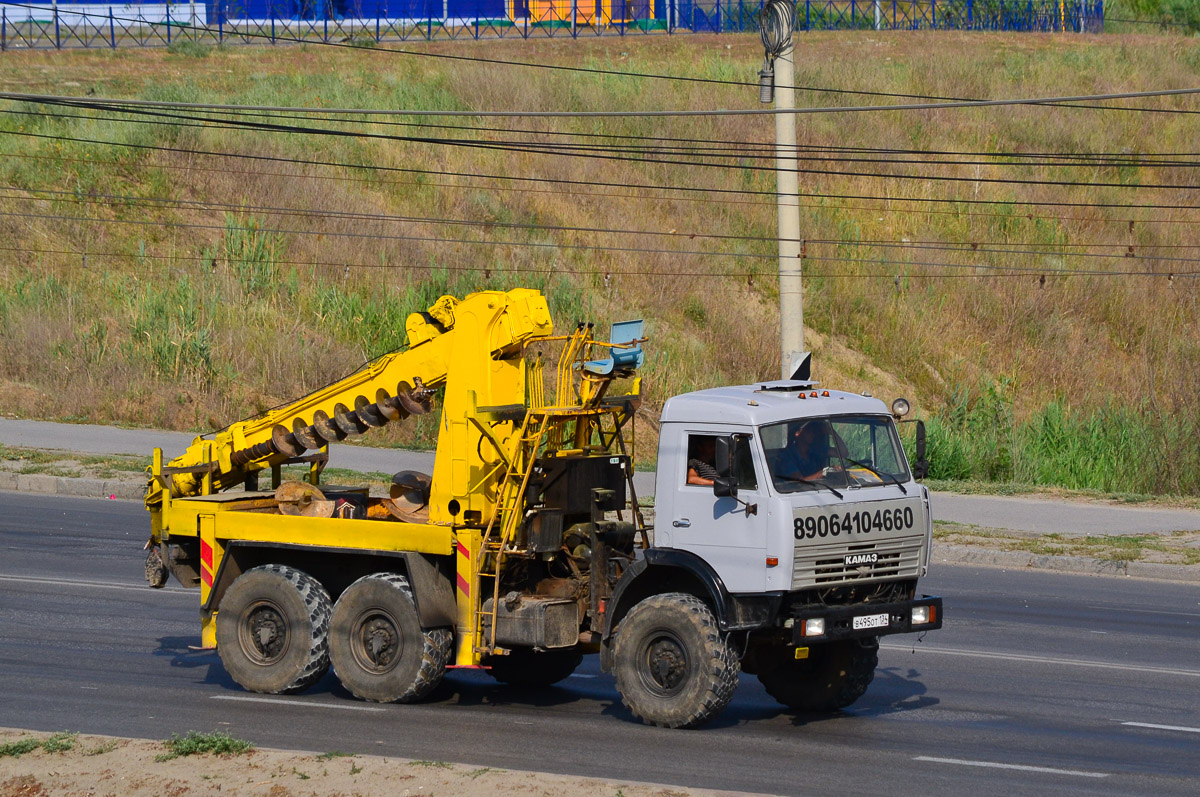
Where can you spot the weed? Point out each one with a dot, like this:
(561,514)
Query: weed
(299,774)
(434,764)
(332,754)
(355,768)
(475,773)
(60,742)
(19,747)
(102,748)
(197,743)
(189,49)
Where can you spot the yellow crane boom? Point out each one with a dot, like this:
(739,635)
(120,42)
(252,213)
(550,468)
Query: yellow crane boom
(443,343)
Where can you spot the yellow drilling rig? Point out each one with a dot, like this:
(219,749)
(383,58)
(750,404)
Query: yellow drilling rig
(526,547)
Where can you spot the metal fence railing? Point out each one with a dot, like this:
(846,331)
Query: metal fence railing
(73,25)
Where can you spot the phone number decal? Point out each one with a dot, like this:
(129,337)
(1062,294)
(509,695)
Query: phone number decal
(849,523)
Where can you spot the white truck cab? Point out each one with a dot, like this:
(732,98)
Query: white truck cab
(858,516)
(789,536)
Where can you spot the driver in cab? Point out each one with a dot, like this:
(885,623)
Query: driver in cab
(807,453)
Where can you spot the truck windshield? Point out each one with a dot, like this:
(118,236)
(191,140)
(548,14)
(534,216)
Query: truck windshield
(839,452)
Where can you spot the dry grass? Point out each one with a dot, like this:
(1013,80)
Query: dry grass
(1178,548)
(163,338)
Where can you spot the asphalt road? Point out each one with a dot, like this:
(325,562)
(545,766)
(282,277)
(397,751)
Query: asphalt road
(1033,515)
(1039,683)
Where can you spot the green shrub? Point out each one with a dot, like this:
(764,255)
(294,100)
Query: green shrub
(19,748)
(196,743)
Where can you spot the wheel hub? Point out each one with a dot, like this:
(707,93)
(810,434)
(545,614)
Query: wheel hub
(665,668)
(377,642)
(264,634)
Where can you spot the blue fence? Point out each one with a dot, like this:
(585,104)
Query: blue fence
(86,24)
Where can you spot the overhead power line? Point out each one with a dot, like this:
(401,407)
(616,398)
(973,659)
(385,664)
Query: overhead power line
(612,155)
(678,113)
(737,152)
(587,186)
(729,150)
(1005,248)
(988,271)
(272,210)
(431,220)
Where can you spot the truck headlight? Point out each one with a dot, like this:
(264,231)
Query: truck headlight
(814,626)
(922,615)
(900,407)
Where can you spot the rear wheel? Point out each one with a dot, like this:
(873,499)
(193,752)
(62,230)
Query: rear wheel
(273,630)
(832,677)
(378,648)
(527,669)
(673,667)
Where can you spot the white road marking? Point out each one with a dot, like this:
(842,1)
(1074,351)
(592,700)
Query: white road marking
(1183,728)
(67,582)
(1022,767)
(1102,665)
(306,703)
(1143,611)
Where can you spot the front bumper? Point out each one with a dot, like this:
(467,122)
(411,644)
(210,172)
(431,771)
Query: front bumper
(840,621)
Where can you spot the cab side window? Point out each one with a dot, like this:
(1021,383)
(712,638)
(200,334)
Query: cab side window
(702,462)
(701,459)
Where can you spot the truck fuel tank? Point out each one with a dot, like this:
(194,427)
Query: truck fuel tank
(530,621)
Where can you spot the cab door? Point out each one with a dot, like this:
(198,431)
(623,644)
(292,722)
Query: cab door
(722,531)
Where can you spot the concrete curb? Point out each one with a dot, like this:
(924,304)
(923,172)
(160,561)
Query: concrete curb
(965,554)
(76,487)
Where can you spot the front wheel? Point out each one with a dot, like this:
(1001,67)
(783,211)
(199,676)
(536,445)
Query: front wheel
(378,648)
(832,677)
(273,630)
(673,666)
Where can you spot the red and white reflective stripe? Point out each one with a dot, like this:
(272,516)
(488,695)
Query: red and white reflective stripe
(206,561)
(464,585)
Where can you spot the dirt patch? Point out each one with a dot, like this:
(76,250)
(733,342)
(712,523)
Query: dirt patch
(101,765)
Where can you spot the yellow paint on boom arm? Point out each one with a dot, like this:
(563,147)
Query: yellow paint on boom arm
(477,340)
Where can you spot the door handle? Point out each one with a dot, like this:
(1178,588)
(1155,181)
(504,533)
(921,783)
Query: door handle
(682,523)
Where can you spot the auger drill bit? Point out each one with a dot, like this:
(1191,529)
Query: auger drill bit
(346,422)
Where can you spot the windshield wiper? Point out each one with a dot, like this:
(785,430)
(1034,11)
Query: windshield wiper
(882,476)
(815,484)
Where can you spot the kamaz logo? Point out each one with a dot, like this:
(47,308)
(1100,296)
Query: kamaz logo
(854,559)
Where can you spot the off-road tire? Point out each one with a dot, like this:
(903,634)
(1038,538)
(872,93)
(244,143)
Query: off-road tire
(673,667)
(378,648)
(273,630)
(528,670)
(832,677)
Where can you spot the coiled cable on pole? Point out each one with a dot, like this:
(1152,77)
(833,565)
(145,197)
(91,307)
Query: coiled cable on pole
(776,21)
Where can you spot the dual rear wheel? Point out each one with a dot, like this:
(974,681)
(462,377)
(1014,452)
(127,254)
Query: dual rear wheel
(278,633)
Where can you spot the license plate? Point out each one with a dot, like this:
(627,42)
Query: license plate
(871,621)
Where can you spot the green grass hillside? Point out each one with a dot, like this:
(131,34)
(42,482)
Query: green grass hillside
(154,285)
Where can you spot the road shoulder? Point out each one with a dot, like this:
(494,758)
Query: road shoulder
(104,765)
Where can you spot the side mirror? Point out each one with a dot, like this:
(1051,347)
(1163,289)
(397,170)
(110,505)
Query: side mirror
(921,466)
(724,455)
(725,487)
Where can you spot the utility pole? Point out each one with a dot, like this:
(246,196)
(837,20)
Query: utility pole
(778,78)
